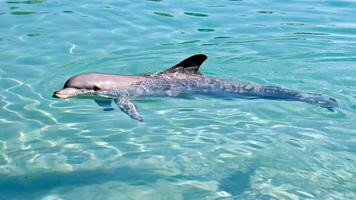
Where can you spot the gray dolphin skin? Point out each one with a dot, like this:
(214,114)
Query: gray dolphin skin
(182,78)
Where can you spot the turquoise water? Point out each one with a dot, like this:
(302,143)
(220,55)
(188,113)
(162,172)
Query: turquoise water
(191,148)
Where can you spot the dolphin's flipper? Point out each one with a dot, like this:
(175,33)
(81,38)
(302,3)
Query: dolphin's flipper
(105,104)
(129,108)
(189,65)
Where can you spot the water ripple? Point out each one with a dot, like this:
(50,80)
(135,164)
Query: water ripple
(194,14)
(188,148)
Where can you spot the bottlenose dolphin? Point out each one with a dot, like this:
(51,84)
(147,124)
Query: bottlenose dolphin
(181,78)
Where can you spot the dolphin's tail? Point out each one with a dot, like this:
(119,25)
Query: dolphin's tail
(320,100)
(275,92)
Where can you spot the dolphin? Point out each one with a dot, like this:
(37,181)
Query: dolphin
(182,78)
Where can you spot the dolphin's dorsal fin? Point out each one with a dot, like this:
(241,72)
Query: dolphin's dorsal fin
(189,65)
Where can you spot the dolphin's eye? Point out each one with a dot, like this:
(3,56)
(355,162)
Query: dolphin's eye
(96,88)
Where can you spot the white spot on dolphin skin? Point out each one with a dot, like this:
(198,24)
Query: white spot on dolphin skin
(172,93)
(72,48)
(249,87)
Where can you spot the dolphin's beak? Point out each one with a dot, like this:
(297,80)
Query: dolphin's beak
(55,94)
(65,93)
(58,95)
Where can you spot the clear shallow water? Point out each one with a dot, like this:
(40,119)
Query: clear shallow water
(200,148)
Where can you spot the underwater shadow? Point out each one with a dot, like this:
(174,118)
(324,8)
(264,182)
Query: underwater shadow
(30,186)
(237,183)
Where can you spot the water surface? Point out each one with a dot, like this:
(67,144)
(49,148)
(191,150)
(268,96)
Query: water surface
(187,148)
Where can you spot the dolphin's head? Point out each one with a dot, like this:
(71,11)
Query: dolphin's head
(77,85)
(88,84)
